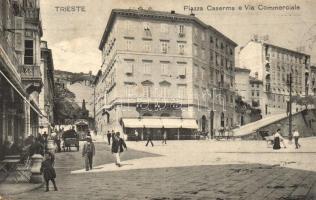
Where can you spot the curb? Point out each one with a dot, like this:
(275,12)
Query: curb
(37,186)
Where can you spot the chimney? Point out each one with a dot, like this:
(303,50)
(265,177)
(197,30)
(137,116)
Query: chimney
(90,73)
(256,75)
(173,12)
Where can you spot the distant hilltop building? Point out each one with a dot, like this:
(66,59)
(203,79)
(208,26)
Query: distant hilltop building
(272,65)
(164,70)
(81,84)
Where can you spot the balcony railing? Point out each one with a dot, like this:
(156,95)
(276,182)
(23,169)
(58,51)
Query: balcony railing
(32,14)
(30,72)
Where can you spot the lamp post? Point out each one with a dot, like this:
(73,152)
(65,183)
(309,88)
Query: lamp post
(289,83)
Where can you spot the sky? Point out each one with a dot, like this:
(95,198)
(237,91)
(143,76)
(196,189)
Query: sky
(74,37)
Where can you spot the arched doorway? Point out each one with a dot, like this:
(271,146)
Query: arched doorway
(222,120)
(212,123)
(203,123)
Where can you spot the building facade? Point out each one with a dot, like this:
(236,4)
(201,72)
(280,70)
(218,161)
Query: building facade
(250,89)
(20,76)
(272,65)
(161,67)
(46,97)
(312,82)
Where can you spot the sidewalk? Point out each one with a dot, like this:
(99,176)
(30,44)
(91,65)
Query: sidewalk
(209,152)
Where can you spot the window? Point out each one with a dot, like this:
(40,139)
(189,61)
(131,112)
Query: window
(164,68)
(129,90)
(258,93)
(203,54)
(182,91)
(195,50)
(181,48)
(211,55)
(164,28)
(28,54)
(181,30)
(252,93)
(164,46)
(257,85)
(147,68)
(181,71)
(129,68)
(203,36)
(147,89)
(146,26)
(128,44)
(211,39)
(164,91)
(202,73)
(147,46)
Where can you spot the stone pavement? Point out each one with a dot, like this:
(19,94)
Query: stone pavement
(208,152)
(188,170)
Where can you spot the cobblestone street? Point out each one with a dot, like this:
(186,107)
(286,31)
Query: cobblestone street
(222,181)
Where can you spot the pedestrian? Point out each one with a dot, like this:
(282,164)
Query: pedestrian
(118,145)
(136,135)
(88,151)
(296,136)
(164,136)
(109,137)
(58,141)
(48,171)
(112,135)
(149,138)
(277,140)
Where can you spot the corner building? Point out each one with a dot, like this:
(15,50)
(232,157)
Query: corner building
(164,70)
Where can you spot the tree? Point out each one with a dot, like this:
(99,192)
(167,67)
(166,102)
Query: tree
(65,105)
(304,101)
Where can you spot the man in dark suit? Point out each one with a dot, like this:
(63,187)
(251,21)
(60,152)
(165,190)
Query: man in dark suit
(149,138)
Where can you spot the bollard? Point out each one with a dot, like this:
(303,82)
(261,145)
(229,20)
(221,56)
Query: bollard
(36,176)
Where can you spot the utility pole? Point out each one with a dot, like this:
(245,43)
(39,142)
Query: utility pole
(290,106)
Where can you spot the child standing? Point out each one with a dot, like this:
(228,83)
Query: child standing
(48,172)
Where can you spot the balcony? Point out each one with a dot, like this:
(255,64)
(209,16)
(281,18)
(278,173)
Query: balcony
(31,77)
(32,14)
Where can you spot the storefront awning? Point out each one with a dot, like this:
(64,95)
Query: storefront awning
(159,123)
(189,123)
(171,123)
(152,123)
(133,123)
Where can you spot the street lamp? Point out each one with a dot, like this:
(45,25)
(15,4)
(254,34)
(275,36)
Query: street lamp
(289,84)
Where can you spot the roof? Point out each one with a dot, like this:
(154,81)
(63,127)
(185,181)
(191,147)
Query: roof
(254,80)
(160,15)
(279,47)
(83,78)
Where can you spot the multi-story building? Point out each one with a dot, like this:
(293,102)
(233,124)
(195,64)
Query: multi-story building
(250,89)
(164,70)
(312,82)
(46,97)
(272,65)
(20,76)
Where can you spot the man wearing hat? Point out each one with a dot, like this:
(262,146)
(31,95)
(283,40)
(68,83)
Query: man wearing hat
(88,151)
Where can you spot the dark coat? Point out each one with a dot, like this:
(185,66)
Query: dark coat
(48,170)
(276,143)
(118,145)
